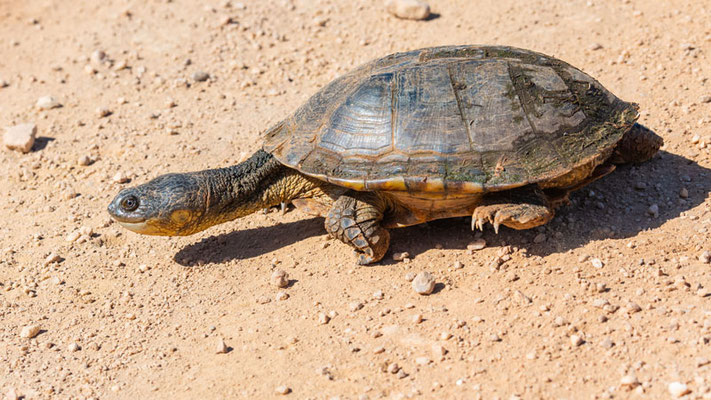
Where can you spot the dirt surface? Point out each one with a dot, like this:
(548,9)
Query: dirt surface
(609,300)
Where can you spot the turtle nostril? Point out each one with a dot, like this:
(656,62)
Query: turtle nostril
(129,203)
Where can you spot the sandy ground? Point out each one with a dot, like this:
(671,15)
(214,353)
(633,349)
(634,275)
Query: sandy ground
(606,301)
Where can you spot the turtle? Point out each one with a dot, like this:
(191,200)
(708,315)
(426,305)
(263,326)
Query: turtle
(499,134)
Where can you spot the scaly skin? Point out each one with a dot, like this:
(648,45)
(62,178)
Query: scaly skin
(184,204)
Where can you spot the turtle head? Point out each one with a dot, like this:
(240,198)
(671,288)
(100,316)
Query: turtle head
(169,205)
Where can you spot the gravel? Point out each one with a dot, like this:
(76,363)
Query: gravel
(47,103)
(20,137)
(30,331)
(200,76)
(221,347)
(282,389)
(678,389)
(478,244)
(424,283)
(408,9)
(279,279)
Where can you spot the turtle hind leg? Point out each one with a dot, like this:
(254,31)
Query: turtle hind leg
(639,144)
(355,220)
(522,208)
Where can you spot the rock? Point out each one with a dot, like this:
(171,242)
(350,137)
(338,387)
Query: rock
(73,347)
(283,390)
(422,360)
(279,279)
(684,193)
(20,137)
(102,112)
(597,263)
(120,177)
(98,56)
(323,319)
(378,295)
(221,347)
(678,389)
(30,331)
(200,76)
(576,340)
(705,257)
(408,9)
(84,160)
(629,382)
(47,103)
(540,238)
(424,283)
(11,394)
(705,98)
(653,210)
(399,256)
(477,244)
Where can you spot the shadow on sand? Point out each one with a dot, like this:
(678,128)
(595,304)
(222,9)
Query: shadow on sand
(617,206)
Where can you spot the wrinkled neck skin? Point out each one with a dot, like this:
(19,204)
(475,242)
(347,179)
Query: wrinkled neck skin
(257,183)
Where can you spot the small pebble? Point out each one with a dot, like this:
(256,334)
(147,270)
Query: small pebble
(355,306)
(422,360)
(478,244)
(221,347)
(400,256)
(684,193)
(494,337)
(629,382)
(30,331)
(102,112)
(283,390)
(576,340)
(653,210)
(281,296)
(540,238)
(438,351)
(378,295)
(97,56)
(323,319)
(52,258)
(200,76)
(410,276)
(633,307)
(393,368)
(678,389)
(607,343)
(120,177)
(84,160)
(705,99)
(408,9)
(424,283)
(417,318)
(596,262)
(47,103)
(705,257)
(73,347)
(20,137)
(279,279)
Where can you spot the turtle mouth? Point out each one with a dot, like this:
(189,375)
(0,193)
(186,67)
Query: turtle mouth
(138,227)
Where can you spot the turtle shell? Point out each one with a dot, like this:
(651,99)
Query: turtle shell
(464,119)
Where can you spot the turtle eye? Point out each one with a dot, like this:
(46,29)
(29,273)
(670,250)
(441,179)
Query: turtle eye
(129,203)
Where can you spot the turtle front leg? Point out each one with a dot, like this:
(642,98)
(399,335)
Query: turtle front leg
(522,208)
(355,220)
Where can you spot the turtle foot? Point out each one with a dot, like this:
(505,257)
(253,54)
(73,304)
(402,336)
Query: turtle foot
(515,216)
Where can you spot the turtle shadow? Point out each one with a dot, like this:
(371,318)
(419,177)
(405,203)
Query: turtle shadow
(248,243)
(614,207)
